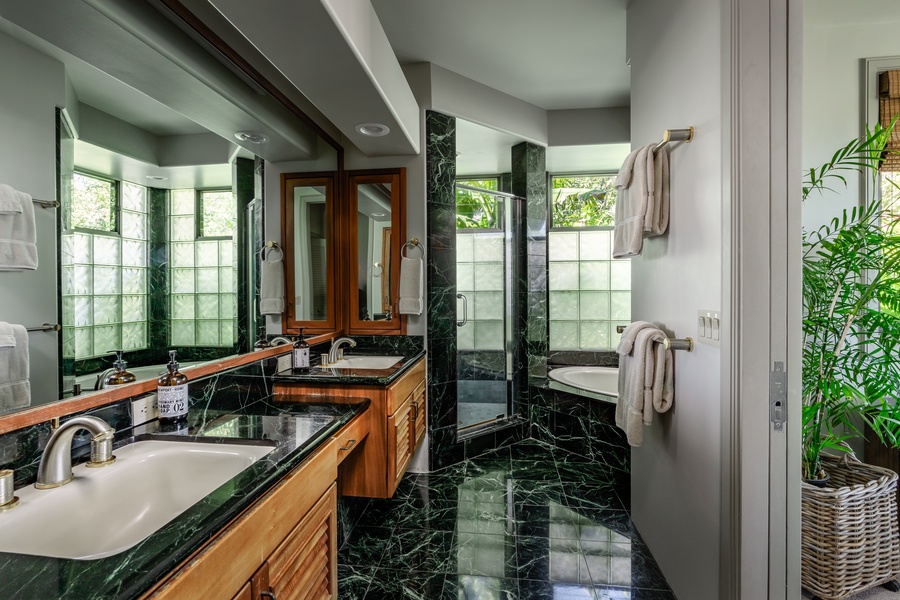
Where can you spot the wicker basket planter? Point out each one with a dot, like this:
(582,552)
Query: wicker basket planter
(849,533)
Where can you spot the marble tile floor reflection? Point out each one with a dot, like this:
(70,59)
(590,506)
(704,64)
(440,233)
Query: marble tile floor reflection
(528,522)
(472,413)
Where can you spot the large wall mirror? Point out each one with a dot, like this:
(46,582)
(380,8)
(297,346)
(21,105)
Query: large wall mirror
(308,216)
(375,231)
(157,148)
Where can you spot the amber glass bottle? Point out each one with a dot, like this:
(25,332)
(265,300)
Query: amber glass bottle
(172,393)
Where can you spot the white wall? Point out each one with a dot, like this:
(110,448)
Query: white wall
(32,85)
(837,35)
(676,82)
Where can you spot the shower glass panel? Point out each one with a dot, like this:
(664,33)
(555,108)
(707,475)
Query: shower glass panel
(485,274)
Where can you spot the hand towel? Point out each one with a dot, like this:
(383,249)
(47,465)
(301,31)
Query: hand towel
(7,335)
(18,248)
(410,286)
(656,221)
(9,201)
(271,287)
(15,387)
(646,379)
(632,185)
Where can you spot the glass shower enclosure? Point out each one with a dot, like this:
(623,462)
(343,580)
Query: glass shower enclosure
(486,276)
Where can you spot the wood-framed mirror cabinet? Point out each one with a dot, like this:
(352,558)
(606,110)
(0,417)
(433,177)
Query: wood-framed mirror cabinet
(309,212)
(375,230)
(343,237)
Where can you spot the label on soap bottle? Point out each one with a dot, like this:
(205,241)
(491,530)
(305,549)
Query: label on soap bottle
(172,402)
(301,357)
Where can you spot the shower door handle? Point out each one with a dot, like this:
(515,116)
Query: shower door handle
(465,318)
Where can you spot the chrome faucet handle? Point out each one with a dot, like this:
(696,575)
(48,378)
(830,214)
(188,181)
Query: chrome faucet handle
(101,450)
(8,500)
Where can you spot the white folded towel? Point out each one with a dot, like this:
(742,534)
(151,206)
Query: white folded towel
(410,286)
(18,248)
(632,184)
(7,335)
(646,379)
(9,201)
(642,200)
(271,287)
(15,387)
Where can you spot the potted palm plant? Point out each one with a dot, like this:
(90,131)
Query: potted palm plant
(851,375)
(851,323)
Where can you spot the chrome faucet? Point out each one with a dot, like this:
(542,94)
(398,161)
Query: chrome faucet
(337,353)
(101,378)
(280,341)
(56,462)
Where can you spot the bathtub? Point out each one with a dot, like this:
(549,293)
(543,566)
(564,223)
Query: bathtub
(602,381)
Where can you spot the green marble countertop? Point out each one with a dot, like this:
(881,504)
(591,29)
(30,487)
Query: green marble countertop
(297,428)
(327,375)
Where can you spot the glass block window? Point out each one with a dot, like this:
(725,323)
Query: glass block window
(94,203)
(480,277)
(589,291)
(202,272)
(104,279)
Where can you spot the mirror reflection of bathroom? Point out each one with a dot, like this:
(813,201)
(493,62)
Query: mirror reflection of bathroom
(373,204)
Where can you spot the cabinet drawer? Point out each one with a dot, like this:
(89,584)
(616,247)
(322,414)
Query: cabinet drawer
(351,436)
(401,389)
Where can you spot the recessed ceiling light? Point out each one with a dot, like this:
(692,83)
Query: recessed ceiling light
(253,137)
(378,214)
(157,178)
(373,129)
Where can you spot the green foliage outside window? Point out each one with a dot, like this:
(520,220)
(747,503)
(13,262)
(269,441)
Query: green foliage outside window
(218,213)
(583,201)
(93,203)
(475,210)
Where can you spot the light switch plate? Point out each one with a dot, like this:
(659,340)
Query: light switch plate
(284,363)
(709,327)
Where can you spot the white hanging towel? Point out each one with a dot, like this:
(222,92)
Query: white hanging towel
(646,379)
(631,202)
(410,286)
(9,201)
(271,287)
(15,387)
(18,237)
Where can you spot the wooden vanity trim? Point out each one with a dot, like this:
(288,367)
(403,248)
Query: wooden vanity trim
(76,404)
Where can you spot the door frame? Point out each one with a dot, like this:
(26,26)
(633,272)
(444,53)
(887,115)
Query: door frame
(760,546)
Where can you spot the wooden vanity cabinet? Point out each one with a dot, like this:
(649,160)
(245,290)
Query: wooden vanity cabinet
(397,426)
(285,544)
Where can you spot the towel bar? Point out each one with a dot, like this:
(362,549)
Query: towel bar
(414,242)
(263,252)
(670,343)
(46,203)
(675,135)
(45,327)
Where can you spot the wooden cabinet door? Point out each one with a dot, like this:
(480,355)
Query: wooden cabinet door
(245,593)
(304,566)
(419,417)
(399,451)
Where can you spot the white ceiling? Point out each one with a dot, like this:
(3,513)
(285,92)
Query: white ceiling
(555,55)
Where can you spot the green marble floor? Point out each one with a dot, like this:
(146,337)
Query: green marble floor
(529,522)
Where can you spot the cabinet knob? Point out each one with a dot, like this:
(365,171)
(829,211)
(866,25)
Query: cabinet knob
(347,447)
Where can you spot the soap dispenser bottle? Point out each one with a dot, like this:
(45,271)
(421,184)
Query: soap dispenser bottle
(172,393)
(120,376)
(300,354)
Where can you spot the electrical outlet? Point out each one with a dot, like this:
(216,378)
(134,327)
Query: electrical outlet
(284,363)
(144,409)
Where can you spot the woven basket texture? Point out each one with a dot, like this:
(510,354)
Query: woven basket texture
(849,530)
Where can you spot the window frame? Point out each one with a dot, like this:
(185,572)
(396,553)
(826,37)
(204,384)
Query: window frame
(198,212)
(116,210)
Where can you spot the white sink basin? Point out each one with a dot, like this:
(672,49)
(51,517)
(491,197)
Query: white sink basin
(366,362)
(108,510)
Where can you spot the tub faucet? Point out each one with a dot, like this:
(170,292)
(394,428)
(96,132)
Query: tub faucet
(337,353)
(56,461)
